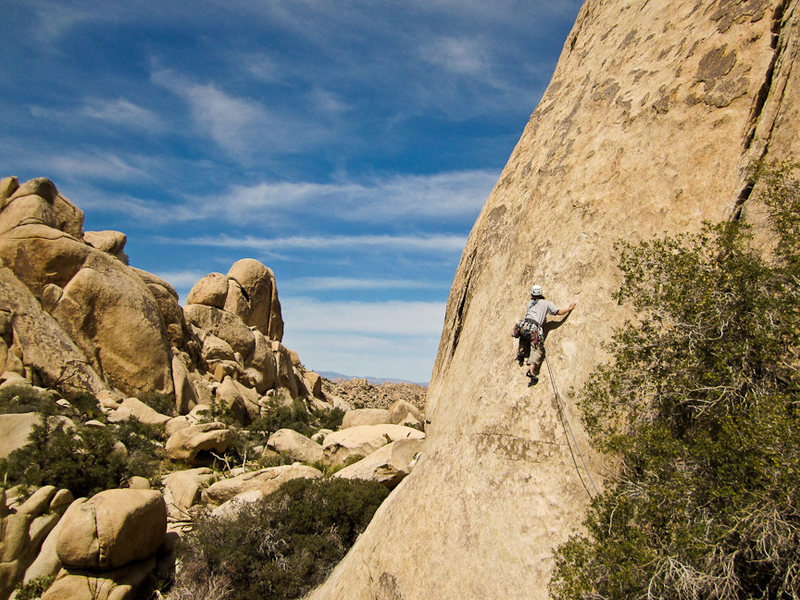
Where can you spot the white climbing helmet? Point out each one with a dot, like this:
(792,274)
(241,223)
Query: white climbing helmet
(536,291)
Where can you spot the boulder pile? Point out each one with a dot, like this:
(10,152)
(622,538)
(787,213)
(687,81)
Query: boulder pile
(211,383)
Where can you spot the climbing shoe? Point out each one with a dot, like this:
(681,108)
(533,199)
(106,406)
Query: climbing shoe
(533,379)
(520,358)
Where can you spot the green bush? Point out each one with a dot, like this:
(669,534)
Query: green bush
(329,419)
(328,469)
(280,416)
(276,459)
(281,547)
(297,417)
(24,399)
(700,406)
(87,406)
(161,403)
(144,454)
(82,459)
(34,588)
(218,412)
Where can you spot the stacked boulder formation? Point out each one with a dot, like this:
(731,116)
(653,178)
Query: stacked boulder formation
(75,317)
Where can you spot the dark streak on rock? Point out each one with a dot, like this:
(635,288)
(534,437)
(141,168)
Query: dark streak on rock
(463,302)
(759,103)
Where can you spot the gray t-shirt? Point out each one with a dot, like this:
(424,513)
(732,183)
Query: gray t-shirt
(539,309)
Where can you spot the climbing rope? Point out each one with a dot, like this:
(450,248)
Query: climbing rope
(562,415)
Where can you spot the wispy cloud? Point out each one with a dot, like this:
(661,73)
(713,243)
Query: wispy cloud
(90,198)
(393,338)
(230,121)
(327,102)
(453,195)
(106,167)
(56,19)
(429,243)
(318,284)
(121,112)
(258,66)
(379,200)
(243,127)
(394,317)
(458,55)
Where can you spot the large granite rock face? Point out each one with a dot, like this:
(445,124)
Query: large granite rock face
(44,345)
(654,113)
(104,307)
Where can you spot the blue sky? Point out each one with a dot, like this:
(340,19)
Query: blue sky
(347,145)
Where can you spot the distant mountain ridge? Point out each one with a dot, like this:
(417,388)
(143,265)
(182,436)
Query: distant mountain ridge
(372,380)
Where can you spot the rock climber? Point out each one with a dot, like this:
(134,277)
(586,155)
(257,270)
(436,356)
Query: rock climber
(530,333)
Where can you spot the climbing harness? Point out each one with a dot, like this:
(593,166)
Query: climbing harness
(528,329)
(562,415)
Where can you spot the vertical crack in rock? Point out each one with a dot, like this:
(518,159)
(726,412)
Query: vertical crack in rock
(743,196)
(763,93)
(760,101)
(463,303)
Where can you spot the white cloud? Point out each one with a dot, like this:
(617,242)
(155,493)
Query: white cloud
(108,167)
(281,205)
(317,284)
(450,195)
(243,127)
(229,121)
(464,56)
(122,112)
(392,317)
(394,338)
(326,101)
(429,243)
(259,66)
(56,19)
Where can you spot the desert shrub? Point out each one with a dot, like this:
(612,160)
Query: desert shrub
(161,403)
(329,419)
(82,459)
(86,405)
(281,547)
(34,588)
(276,459)
(329,469)
(239,453)
(24,399)
(280,416)
(217,411)
(297,417)
(144,454)
(700,406)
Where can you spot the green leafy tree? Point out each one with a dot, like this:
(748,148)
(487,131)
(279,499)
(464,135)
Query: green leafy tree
(700,405)
(82,459)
